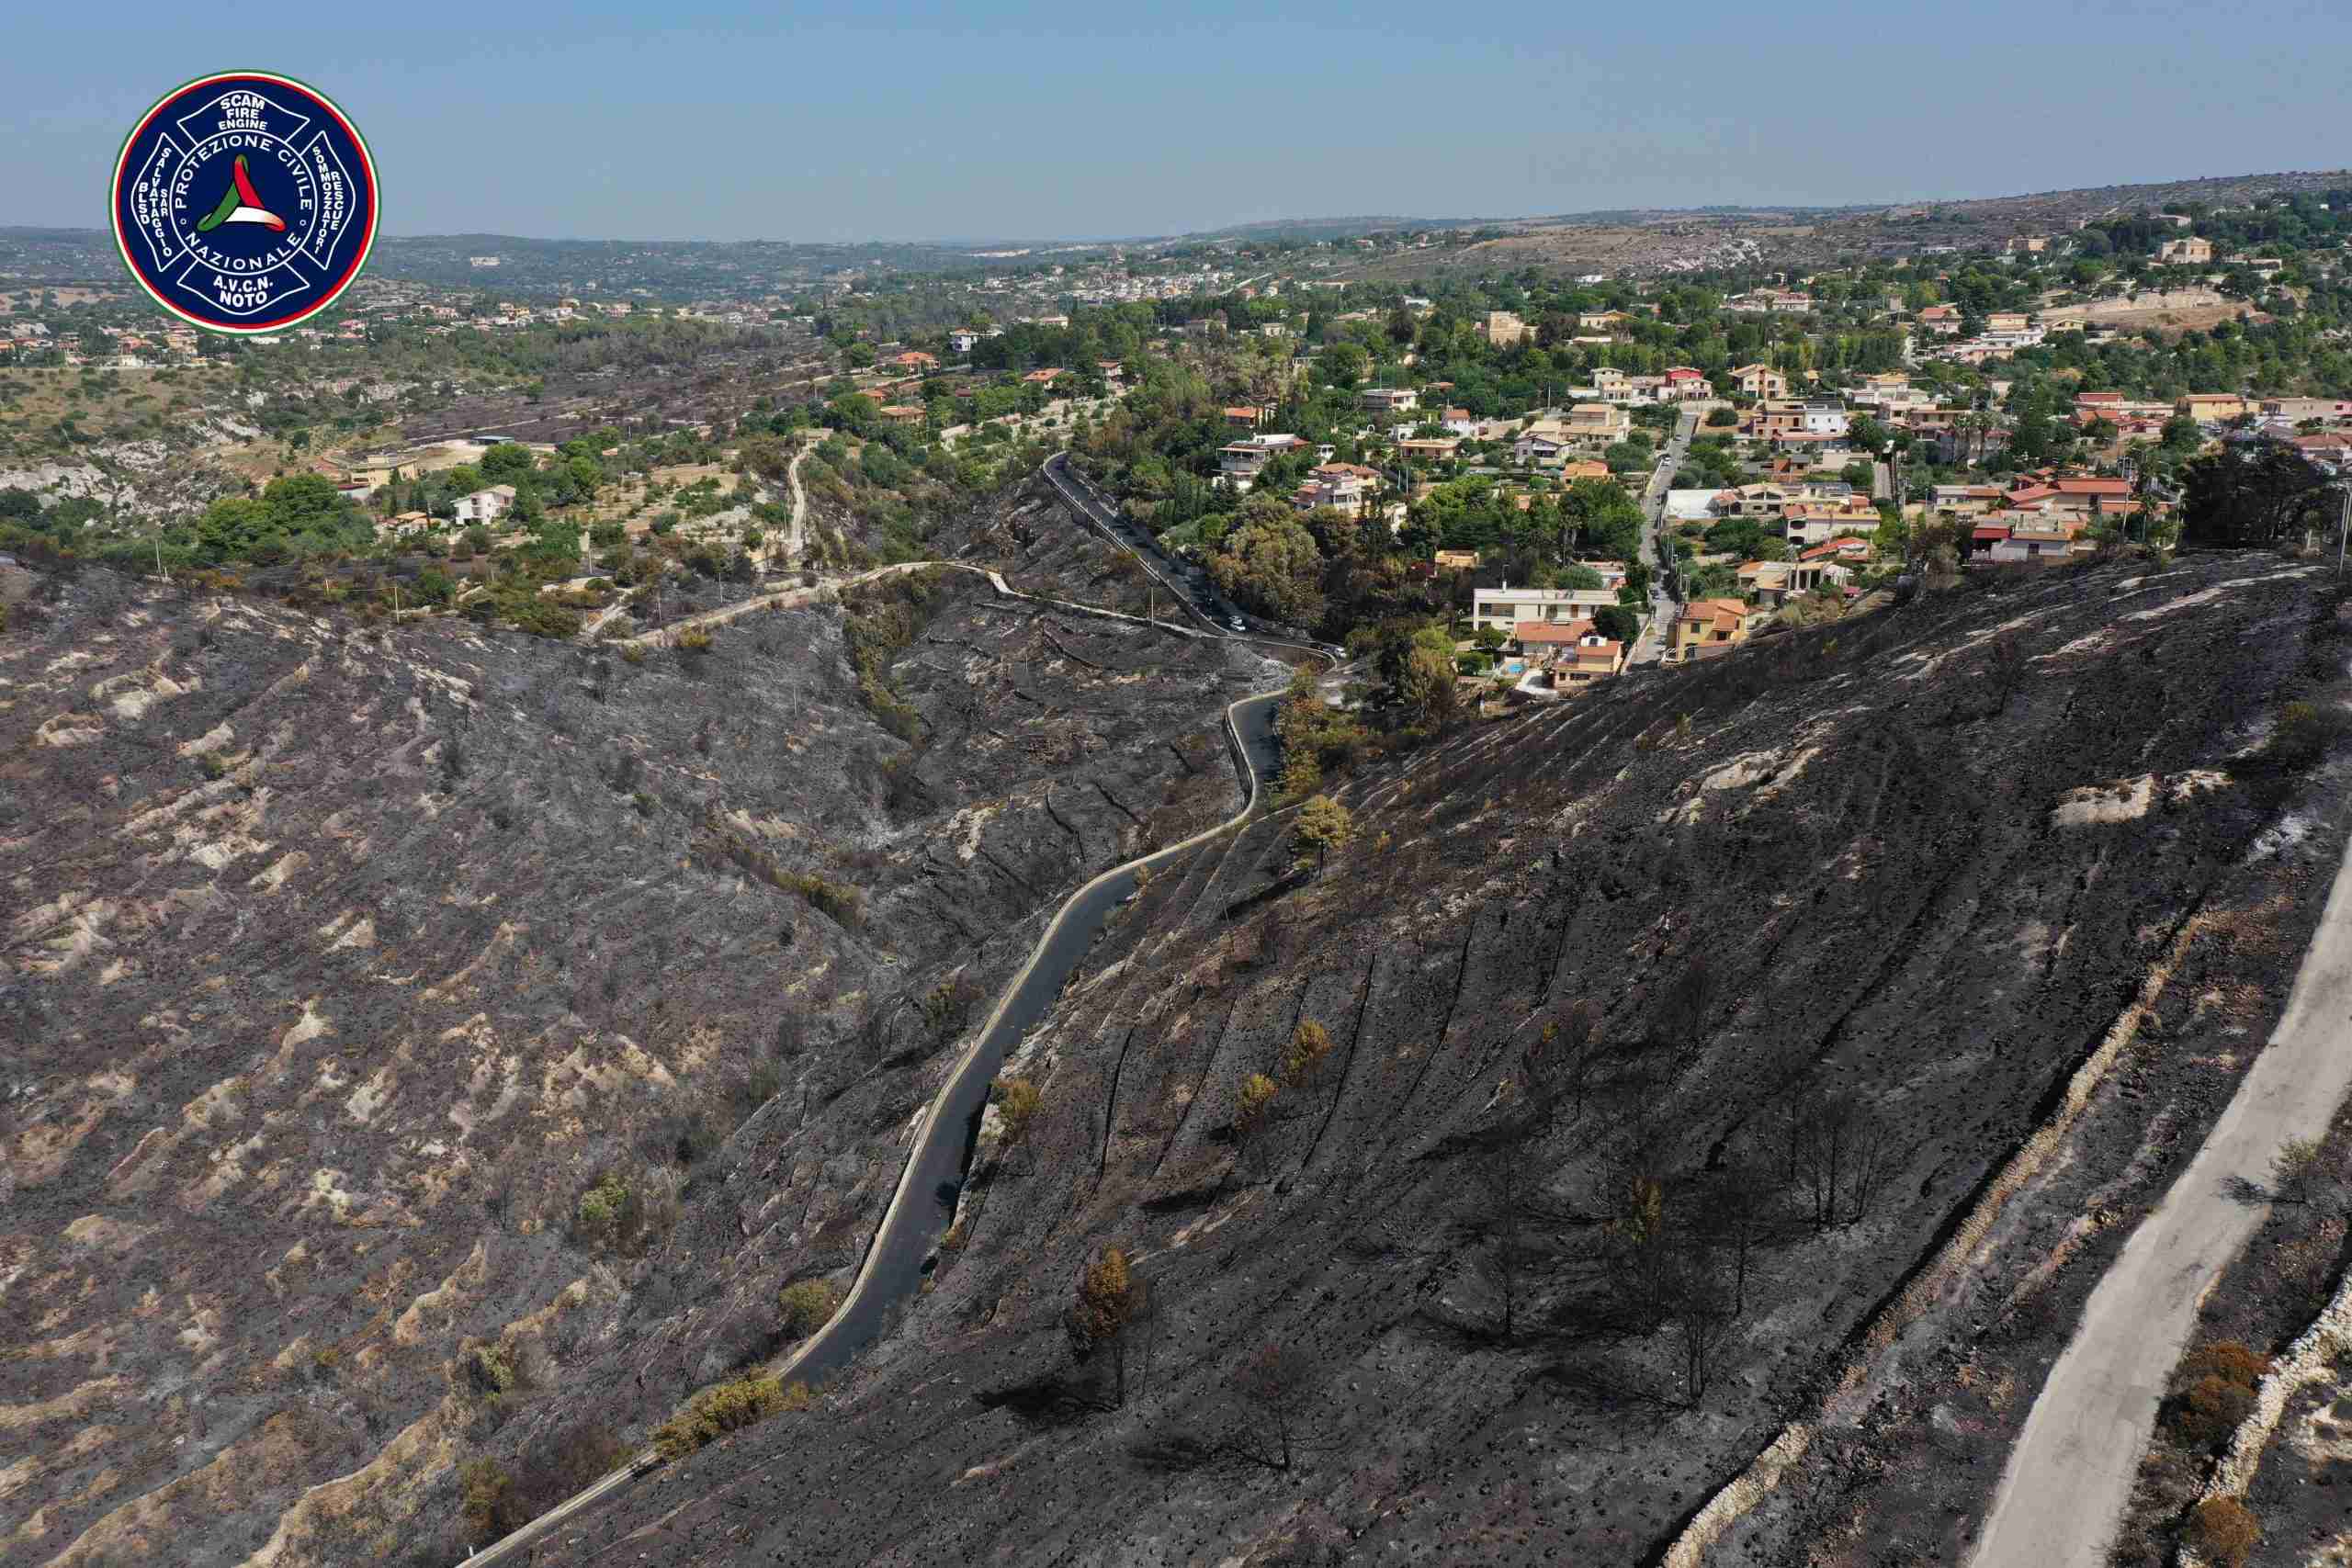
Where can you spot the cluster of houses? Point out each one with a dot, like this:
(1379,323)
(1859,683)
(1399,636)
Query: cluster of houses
(1551,632)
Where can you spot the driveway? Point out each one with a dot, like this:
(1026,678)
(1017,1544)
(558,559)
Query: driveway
(2067,1479)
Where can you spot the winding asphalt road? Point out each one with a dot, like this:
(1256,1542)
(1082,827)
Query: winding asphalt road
(2064,1491)
(921,1205)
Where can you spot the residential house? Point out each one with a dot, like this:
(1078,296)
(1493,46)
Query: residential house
(1775,583)
(2194,251)
(915,362)
(1705,625)
(1592,658)
(1389,400)
(1045,378)
(1942,319)
(1457,560)
(1826,416)
(1244,418)
(1429,449)
(1761,381)
(1545,443)
(1458,422)
(1239,462)
(963,340)
(2331,450)
(1598,424)
(1547,639)
(486,506)
(2028,539)
(1504,607)
(1966,501)
(2008,322)
(1682,383)
(1850,548)
(2213,408)
(1344,485)
(1583,468)
(901,413)
(1601,321)
(1502,328)
(2294,411)
(1817,521)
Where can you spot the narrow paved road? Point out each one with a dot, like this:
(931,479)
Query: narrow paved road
(1652,642)
(2064,1491)
(923,1200)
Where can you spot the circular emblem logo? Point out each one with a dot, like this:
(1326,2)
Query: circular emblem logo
(244,202)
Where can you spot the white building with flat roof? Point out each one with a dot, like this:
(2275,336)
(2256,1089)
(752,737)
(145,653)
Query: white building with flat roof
(1504,608)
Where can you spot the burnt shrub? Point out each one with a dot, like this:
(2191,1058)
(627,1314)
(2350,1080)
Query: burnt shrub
(2305,733)
(2224,1530)
(2212,1393)
(498,1501)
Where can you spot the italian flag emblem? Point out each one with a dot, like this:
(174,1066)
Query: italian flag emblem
(241,203)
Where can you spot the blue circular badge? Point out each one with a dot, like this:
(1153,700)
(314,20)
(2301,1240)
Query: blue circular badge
(244,202)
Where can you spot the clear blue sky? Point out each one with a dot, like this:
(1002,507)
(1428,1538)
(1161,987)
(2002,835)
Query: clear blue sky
(1036,118)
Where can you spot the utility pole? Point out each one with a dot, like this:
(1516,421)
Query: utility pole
(2344,529)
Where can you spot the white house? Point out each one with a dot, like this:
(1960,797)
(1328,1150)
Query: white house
(1826,416)
(485,505)
(963,340)
(1504,608)
(1239,462)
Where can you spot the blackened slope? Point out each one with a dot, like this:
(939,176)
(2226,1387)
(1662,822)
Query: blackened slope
(1915,860)
(342,964)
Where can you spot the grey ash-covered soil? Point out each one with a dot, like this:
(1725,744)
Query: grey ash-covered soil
(1926,861)
(340,962)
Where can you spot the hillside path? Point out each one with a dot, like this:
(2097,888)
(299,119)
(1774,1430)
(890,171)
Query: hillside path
(2063,1493)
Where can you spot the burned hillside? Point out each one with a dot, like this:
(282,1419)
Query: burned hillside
(1669,1047)
(380,1003)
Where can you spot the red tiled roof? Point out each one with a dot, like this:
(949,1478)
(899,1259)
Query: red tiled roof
(1551,631)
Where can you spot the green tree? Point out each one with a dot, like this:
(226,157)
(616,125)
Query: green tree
(1324,824)
(1309,1048)
(2254,494)
(1270,564)
(507,463)
(1343,364)
(1097,1320)
(1253,1112)
(1617,622)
